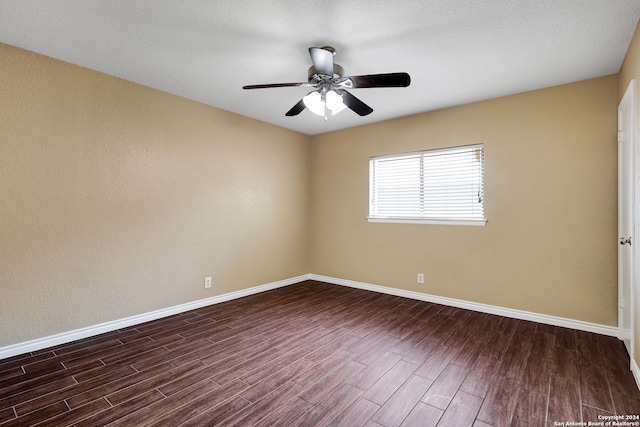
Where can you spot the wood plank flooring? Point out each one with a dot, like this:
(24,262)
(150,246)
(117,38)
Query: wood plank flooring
(314,354)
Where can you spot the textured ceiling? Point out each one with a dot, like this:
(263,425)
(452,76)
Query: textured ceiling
(456,51)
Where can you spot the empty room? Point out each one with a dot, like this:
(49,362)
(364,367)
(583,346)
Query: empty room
(319,213)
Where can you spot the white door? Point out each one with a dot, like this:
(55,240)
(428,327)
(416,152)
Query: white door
(626,241)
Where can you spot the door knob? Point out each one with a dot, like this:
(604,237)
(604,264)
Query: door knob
(624,241)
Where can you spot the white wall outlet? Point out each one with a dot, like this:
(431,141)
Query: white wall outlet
(421,278)
(207,282)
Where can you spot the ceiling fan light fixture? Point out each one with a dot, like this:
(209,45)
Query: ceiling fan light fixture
(334,102)
(313,101)
(317,103)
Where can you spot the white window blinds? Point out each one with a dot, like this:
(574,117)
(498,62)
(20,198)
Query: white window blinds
(443,185)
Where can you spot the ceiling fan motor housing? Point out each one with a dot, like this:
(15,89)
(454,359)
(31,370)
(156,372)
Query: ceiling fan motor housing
(315,77)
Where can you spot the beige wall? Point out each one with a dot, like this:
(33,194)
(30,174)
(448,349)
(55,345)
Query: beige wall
(631,70)
(550,199)
(116,199)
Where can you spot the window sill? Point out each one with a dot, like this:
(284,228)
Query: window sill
(435,221)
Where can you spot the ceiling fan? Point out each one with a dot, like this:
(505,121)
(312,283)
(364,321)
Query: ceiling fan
(331,95)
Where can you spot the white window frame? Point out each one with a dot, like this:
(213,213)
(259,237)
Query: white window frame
(476,220)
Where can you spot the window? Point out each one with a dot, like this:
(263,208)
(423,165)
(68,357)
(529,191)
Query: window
(442,186)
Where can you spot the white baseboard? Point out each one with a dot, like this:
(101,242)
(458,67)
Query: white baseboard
(483,308)
(65,337)
(624,334)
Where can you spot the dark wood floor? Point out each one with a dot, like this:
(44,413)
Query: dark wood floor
(314,354)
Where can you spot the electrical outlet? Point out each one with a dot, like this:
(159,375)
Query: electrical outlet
(421,278)
(207,282)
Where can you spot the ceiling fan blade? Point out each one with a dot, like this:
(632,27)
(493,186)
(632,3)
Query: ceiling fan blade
(266,86)
(322,60)
(296,109)
(355,104)
(380,80)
